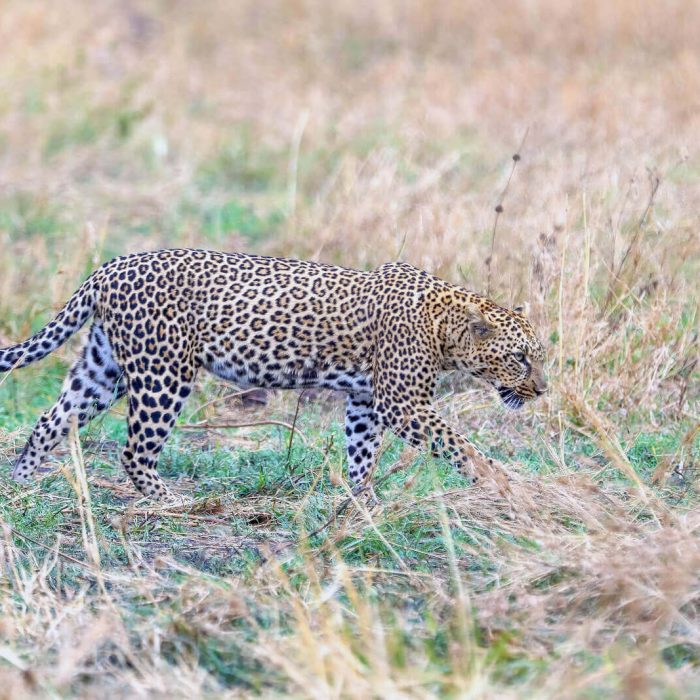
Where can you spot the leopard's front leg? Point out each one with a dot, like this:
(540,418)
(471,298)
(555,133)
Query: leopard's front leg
(421,425)
(403,390)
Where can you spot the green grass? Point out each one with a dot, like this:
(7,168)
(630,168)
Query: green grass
(235,217)
(242,165)
(25,216)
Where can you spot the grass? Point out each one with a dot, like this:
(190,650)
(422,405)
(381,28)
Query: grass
(358,135)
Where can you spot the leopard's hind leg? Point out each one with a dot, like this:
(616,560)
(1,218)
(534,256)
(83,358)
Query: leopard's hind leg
(155,401)
(93,383)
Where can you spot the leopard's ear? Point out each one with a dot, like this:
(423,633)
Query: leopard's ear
(520,309)
(479,327)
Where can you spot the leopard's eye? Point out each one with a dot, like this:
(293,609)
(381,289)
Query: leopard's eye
(519,356)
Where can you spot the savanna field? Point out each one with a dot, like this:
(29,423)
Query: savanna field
(357,133)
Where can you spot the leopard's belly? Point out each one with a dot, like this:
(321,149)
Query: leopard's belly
(293,375)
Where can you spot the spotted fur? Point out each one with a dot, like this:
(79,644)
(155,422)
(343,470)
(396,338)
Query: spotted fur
(382,336)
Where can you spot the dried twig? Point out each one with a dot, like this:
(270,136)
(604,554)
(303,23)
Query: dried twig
(48,548)
(399,466)
(218,399)
(654,183)
(252,424)
(499,210)
(294,427)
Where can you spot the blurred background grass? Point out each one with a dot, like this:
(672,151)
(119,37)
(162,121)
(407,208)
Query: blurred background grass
(357,133)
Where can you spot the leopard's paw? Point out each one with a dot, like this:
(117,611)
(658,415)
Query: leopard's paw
(493,473)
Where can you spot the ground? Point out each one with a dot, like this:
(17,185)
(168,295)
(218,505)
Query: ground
(356,135)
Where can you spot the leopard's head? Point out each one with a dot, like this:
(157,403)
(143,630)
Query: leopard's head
(499,346)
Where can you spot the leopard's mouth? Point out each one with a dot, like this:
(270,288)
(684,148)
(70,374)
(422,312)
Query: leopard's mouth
(511,398)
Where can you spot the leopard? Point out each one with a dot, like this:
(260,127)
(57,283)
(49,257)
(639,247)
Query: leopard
(384,337)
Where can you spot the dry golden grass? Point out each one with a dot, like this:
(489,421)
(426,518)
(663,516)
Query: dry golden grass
(356,133)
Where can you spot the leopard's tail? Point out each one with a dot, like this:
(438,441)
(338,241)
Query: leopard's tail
(71,318)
